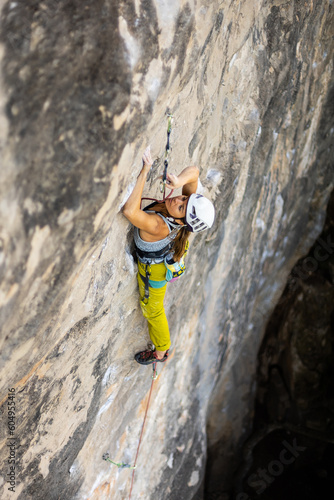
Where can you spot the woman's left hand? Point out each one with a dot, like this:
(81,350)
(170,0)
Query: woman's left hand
(173,181)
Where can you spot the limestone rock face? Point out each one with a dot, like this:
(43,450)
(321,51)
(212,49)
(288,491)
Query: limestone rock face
(85,87)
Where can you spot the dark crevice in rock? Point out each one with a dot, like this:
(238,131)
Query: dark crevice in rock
(295,390)
(290,451)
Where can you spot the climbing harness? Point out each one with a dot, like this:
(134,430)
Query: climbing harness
(155,252)
(147,257)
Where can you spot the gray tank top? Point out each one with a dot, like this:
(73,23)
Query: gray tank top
(156,246)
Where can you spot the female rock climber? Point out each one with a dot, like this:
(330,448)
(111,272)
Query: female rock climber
(161,239)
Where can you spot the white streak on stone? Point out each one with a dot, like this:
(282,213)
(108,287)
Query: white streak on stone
(106,376)
(200,188)
(267,254)
(127,195)
(37,245)
(170,461)
(232,61)
(167,11)
(67,216)
(153,79)
(260,223)
(214,176)
(129,262)
(254,115)
(193,479)
(107,404)
(137,7)
(132,47)
(74,469)
(100,479)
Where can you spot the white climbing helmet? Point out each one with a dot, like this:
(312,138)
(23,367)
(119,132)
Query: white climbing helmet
(200,213)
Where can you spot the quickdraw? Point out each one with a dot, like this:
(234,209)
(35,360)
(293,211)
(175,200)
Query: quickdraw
(167,149)
(120,465)
(164,175)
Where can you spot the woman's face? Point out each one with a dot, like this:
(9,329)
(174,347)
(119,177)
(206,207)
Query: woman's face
(177,206)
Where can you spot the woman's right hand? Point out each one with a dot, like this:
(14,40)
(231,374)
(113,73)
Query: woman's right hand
(147,158)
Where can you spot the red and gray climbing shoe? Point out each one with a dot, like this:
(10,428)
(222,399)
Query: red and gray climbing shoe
(149,356)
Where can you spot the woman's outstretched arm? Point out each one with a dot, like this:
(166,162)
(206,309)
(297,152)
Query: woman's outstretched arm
(132,211)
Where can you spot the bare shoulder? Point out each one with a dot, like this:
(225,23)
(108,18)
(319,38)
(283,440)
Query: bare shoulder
(159,232)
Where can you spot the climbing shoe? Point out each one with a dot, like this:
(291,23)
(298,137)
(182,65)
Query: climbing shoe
(149,356)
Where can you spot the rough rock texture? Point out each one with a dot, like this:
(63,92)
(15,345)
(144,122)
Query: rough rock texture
(85,86)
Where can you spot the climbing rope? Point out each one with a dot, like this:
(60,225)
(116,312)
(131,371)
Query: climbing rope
(154,376)
(123,465)
(164,175)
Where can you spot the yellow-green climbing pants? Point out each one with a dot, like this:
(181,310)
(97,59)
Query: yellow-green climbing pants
(154,310)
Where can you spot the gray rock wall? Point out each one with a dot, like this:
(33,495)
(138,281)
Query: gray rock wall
(84,88)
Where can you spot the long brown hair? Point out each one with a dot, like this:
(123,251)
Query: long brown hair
(182,236)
